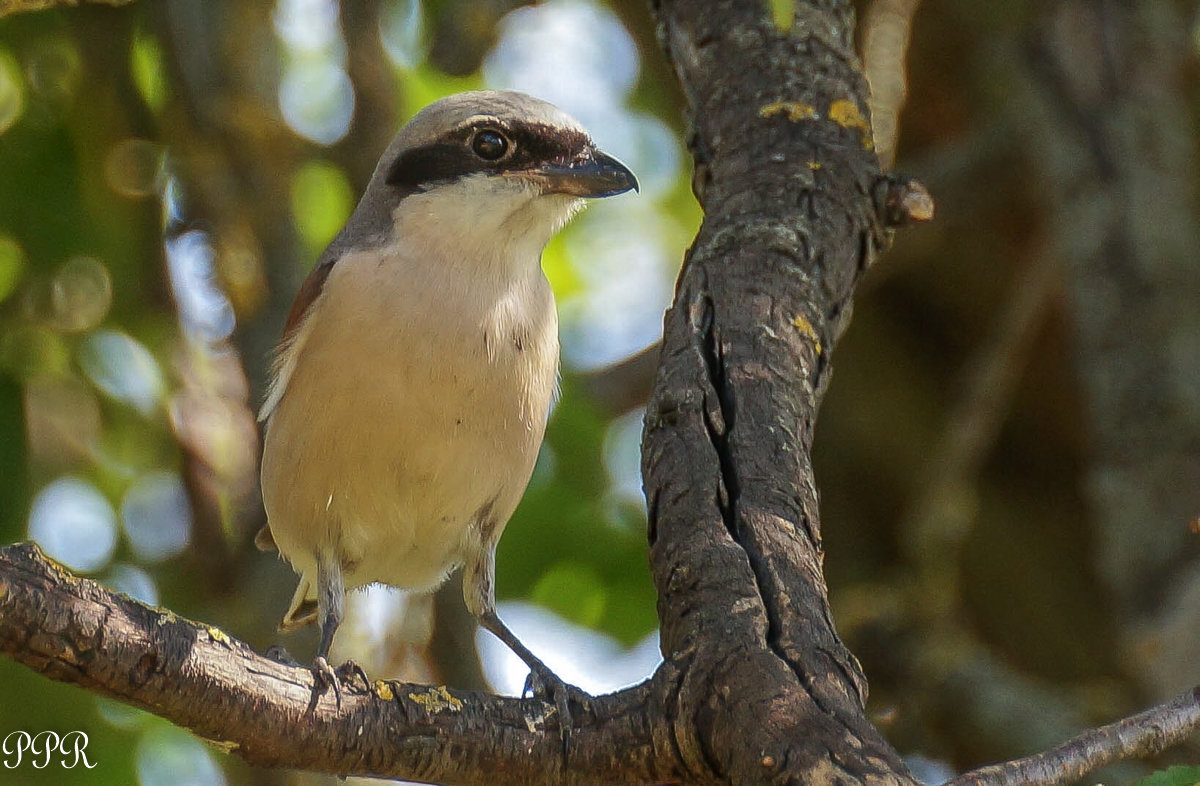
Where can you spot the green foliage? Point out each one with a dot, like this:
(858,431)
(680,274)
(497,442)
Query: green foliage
(146,62)
(12,265)
(1173,776)
(321,202)
(568,547)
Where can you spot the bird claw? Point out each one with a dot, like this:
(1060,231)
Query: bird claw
(345,675)
(547,686)
(326,677)
(350,669)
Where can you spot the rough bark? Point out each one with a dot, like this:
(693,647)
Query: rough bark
(786,173)
(271,714)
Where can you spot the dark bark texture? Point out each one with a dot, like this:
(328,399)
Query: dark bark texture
(272,714)
(786,172)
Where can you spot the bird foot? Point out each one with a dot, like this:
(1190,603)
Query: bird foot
(351,670)
(544,684)
(326,677)
(348,674)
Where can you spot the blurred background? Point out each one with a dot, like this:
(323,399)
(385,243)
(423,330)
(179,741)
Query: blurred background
(1009,452)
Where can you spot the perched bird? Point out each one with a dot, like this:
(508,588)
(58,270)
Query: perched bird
(419,360)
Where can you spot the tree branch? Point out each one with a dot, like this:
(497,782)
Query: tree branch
(1145,734)
(786,174)
(76,631)
(20,6)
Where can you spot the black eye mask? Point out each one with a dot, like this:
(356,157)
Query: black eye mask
(530,145)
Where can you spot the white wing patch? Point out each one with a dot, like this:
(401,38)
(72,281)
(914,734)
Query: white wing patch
(284,364)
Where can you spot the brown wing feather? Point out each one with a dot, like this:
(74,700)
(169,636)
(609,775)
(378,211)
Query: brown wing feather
(309,293)
(310,290)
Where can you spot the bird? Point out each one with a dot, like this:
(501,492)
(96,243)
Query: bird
(411,388)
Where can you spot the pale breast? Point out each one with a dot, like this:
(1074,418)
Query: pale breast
(412,405)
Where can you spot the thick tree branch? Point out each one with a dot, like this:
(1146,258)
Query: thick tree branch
(787,175)
(1145,734)
(196,676)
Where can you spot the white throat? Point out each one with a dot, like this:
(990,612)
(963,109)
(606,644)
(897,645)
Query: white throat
(492,225)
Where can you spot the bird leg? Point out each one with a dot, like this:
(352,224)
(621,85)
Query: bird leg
(542,681)
(331,604)
(478,583)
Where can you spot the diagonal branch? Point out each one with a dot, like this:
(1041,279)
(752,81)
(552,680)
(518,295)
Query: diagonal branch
(76,631)
(1145,734)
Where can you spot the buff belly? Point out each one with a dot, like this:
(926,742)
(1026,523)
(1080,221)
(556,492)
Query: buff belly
(402,455)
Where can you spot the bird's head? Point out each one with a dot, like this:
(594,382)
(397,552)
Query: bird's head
(489,170)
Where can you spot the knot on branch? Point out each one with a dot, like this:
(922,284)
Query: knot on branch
(902,201)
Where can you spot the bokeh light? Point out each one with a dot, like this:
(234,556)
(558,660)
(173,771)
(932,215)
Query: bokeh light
(591,660)
(74,524)
(169,756)
(12,92)
(623,455)
(53,68)
(120,715)
(134,582)
(123,368)
(618,252)
(204,311)
(132,167)
(156,516)
(146,65)
(927,770)
(309,26)
(402,30)
(81,294)
(321,202)
(573,53)
(12,265)
(316,96)
(573,590)
(317,101)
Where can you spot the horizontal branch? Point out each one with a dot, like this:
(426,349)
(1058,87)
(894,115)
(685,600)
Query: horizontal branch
(1144,734)
(194,675)
(17,6)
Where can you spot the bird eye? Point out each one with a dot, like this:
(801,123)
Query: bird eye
(489,144)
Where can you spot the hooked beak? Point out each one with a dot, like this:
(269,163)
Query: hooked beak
(597,175)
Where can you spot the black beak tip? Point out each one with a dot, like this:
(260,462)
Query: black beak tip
(597,176)
(621,176)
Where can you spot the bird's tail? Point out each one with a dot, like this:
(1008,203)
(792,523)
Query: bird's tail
(303,608)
